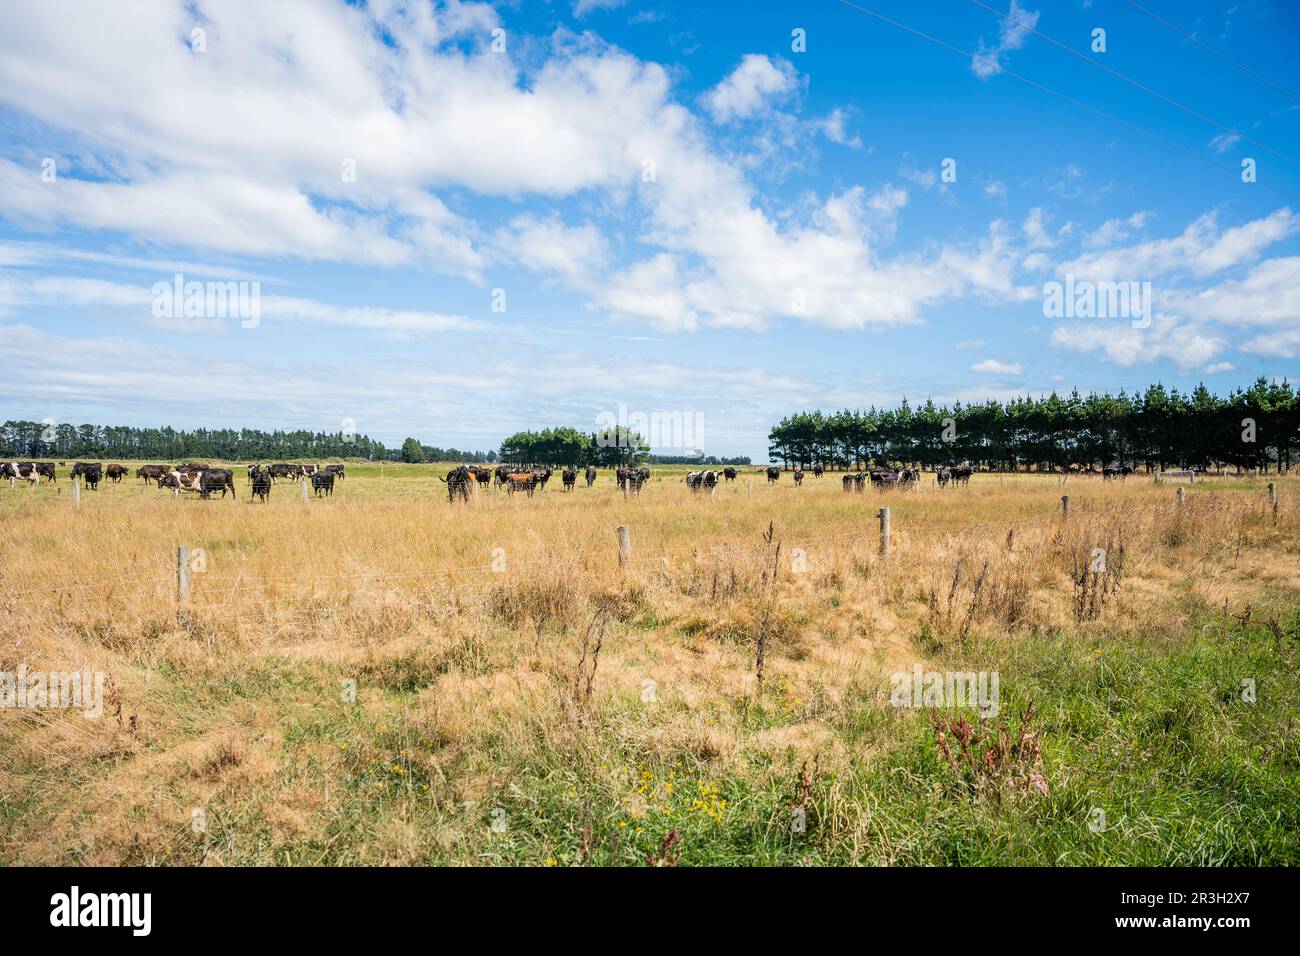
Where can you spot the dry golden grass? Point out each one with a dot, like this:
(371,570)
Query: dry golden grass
(465,674)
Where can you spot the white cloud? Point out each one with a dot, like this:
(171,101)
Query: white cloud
(1187,345)
(583,7)
(994,367)
(1202,249)
(834,127)
(750,87)
(1218,367)
(1224,142)
(1013,34)
(1113,231)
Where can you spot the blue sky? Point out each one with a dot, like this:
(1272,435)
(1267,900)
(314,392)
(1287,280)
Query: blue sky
(679,209)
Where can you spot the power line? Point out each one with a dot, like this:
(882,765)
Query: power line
(1221,56)
(1146,89)
(1062,96)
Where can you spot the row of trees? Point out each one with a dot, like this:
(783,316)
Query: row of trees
(1257,427)
(568,446)
(414,452)
(38,440)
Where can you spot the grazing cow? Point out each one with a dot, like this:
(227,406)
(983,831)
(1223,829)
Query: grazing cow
(818,471)
(337,472)
(213,478)
(93,475)
(15,470)
(80,468)
(323,481)
(591,475)
(282,470)
(729,474)
(308,470)
(1121,472)
(855,483)
(115,473)
(798,477)
(961,475)
(152,473)
(773,474)
(458,481)
(570,477)
(204,482)
(45,469)
(635,479)
(261,483)
(542,476)
(702,481)
(194,466)
(521,481)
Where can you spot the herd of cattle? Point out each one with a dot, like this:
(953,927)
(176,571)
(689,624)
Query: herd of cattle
(205,480)
(199,477)
(462,479)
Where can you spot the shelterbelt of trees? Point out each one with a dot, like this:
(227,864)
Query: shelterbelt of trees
(605,449)
(1258,427)
(20,439)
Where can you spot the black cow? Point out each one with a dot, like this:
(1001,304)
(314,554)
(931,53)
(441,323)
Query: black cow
(458,482)
(591,475)
(212,479)
(80,468)
(45,469)
(337,472)
(798,477)
(818,471)
(569,477)
(323,481)
(282,470)
(729,474)
(773,474)
(93,475)
(261,483)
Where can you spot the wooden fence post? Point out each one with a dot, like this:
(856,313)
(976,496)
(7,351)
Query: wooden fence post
(76,494)
(624,545)
(1272,498)
(884,532)
(1065,506)
(1182,495)
(182,584)
(303,485)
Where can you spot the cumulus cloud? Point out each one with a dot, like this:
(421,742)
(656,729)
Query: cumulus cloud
(750,87)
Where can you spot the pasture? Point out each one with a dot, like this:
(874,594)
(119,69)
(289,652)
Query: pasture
(385,677)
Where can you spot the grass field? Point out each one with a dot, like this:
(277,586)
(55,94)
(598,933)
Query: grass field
(386,678)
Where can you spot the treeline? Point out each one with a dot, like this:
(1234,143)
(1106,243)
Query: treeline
(568,446)
(38,440)
(706,460)
(1162,428)
(414,452)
